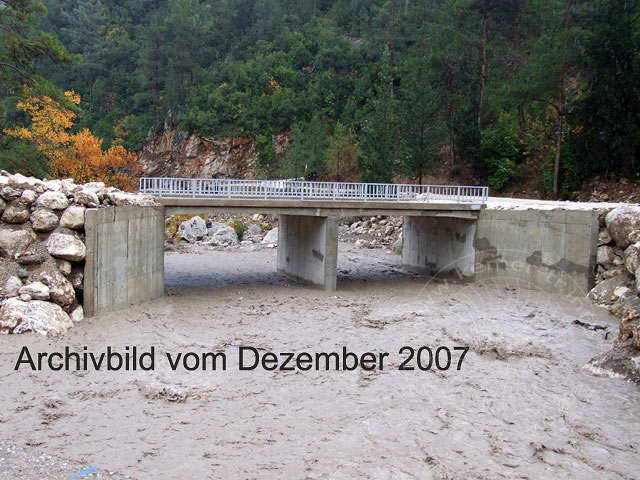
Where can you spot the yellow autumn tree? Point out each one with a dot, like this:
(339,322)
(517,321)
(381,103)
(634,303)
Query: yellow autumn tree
(77,155)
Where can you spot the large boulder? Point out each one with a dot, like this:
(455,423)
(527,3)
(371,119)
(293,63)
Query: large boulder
(622,221)
(86,197)
(66,246)
(16,212)
(28,197)
(44,220)
(36,316)
(193,229)
(254,230)
(73,218)
(609,291)
(622,360)
(271,236)
(13,242)
(221,234)
(53,200)
(11,192)
(60,289)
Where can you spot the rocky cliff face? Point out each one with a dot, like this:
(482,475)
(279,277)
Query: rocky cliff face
(177,154)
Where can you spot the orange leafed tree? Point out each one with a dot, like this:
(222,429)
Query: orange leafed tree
(77,155)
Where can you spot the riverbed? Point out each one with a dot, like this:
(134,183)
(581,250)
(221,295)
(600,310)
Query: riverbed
(519,404)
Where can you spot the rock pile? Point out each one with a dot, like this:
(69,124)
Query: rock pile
(42,249)
(219,231)
(372,232)
(618,281)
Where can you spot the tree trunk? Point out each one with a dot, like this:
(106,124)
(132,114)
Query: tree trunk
(556,165)
(563,72)
(450,107)
(483,71)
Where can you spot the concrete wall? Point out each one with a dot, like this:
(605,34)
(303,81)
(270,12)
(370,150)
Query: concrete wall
(554,251)
(125,257)
(439,246)
(308,249)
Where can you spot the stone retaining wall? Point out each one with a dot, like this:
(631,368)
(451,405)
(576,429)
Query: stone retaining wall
(43,251)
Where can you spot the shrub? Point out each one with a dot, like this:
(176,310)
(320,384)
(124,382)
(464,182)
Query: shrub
(239,227)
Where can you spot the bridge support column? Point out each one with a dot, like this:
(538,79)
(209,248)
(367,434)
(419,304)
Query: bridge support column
(439,246)
(308,249)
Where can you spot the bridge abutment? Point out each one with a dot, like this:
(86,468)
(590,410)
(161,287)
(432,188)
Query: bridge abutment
(439,246)
(308,249)
(124,264)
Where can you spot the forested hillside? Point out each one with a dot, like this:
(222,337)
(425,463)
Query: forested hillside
(372,90)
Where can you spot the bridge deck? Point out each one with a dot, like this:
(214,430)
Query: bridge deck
(318,208)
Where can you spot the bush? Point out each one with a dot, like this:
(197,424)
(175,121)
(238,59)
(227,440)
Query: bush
(500,154)
(239,228)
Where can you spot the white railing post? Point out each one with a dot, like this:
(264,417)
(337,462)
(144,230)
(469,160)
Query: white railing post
(229,188)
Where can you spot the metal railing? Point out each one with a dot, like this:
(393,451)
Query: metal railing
(301,190)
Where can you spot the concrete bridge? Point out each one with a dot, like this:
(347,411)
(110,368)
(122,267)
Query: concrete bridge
(447,231)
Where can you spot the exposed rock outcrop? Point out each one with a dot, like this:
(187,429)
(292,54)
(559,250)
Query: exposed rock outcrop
(177,154)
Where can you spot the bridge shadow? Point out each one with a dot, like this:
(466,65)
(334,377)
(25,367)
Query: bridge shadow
(208,270)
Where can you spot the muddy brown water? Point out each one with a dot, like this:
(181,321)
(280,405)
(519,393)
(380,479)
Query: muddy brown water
(522,404)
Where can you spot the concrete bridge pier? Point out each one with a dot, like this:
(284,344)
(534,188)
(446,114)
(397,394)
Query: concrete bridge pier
(308,249)
(440,246)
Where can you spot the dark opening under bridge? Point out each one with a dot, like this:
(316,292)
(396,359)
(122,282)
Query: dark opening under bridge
(447,231)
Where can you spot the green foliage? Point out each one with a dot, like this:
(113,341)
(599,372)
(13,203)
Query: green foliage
(568,179)
(378,137)
(397,85)
(500,155)
(239,227)
(608,111)
(22,44)
(342,155)
(19,156)
(306,155)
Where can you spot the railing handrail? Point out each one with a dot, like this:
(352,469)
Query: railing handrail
(309,190)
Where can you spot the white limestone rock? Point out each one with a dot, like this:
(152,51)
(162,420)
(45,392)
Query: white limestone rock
(53,200)
(64,267)
(86,197)
(193,229)
(16,212)
(60,289)
(271,236)
(15,241)
(604,256)
(66,246)
(36,316)
(12,286)
(73,217)
(77,314)
(44,220)
(29,196)
(254,229)
(632,257)
(36,290)
(622,221)
(221,234)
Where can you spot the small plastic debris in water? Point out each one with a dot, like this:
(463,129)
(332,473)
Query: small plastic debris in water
(84,473)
